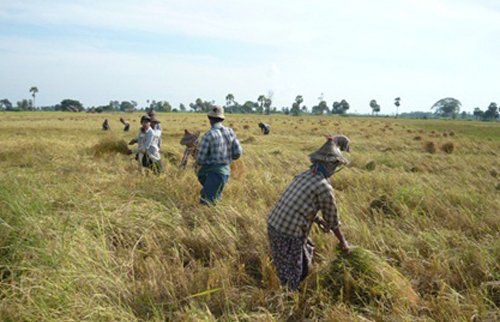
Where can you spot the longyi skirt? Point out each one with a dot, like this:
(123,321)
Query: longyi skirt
(291,256)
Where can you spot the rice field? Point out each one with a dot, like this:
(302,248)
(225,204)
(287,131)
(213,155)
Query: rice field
(85,237)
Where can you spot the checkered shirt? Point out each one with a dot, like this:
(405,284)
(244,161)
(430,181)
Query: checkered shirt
(296,210)
(219,146)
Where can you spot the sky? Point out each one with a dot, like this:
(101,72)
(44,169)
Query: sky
(96,51)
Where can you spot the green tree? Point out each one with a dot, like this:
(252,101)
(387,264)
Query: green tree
(182,108)
(23,105)
(71,105)
(262,100)
(397,102)
(267,106)
(374,106)
(126,106)
(340,108)
(296,105)
(447,107)
(492,112)
(478,113)
(33,91)
(229,103)
(6,105)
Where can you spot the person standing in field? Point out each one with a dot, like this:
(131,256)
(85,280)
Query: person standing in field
(290,221)
(156,126)
(190,140)
(218,148)
(147,152)
(265,128)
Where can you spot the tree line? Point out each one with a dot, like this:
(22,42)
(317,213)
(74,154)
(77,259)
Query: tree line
(448,107)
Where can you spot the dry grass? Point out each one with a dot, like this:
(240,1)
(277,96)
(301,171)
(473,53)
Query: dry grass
(89,238)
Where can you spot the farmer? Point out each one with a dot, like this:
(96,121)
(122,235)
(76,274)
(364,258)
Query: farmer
(105,125)
(264,128)
(342,142)
(126,123)
(218,147)
(290,221)
(190,140)
(156,126)
(147,153)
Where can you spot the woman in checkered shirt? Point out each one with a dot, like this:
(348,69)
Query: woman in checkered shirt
(290,221)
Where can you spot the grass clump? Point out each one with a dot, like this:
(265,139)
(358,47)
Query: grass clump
(430,147)
(370,165)
(361,277)
(109,145)
(448,147)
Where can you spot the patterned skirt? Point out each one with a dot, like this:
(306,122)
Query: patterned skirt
(291,256)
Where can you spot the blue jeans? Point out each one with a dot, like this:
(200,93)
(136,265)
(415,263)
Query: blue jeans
(213,183)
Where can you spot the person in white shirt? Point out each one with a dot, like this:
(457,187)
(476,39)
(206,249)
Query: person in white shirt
(147,152)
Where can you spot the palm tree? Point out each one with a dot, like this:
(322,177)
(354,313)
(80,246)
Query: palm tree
(397,103)
(33,91)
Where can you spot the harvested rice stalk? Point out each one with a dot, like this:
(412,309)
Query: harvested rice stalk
(361,277)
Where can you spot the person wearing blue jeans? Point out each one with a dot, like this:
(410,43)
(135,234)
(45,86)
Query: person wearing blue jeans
(218,148)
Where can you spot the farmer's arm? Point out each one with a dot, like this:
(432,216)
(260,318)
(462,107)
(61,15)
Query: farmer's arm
(236,149)
(330,216)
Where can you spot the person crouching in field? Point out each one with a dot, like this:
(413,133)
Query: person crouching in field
(190,140)
(290,221)
(105,125)
(126,123)
(147,152)
(218,148)
(265,128)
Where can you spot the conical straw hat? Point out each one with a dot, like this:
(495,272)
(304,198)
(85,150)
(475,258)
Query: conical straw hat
(329,152)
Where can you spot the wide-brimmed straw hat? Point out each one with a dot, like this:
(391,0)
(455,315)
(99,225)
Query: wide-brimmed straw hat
(329,152)
(189,137)
(216,112)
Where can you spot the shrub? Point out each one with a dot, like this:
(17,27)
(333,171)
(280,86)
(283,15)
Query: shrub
(448,147)
(430,147)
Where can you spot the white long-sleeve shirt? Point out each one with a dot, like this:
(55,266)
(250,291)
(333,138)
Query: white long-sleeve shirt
(148,143)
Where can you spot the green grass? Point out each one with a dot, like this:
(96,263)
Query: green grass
(84,236)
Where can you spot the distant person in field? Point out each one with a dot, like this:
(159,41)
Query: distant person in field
(126,123)
(265,128)
(147,152)
(218,148)
(190,140)
(105,125)
(291,219)
(342,142)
